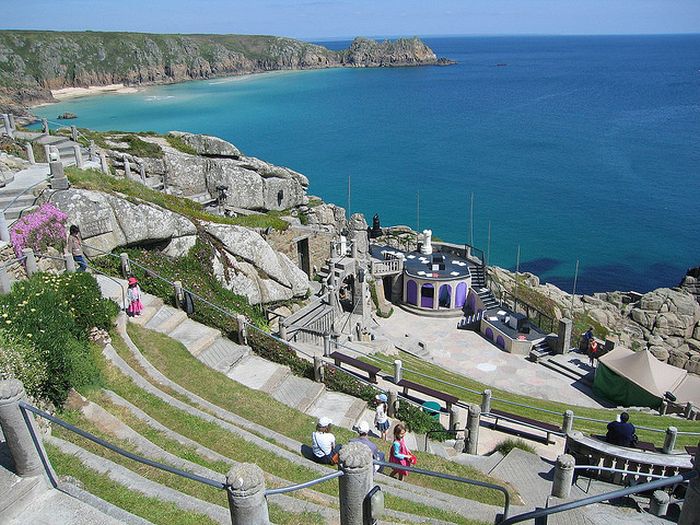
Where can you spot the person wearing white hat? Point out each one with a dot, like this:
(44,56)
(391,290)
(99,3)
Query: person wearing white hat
(381,420)
(323,443)
(362,429)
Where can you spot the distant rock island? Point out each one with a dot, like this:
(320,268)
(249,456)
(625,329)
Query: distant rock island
(32,63)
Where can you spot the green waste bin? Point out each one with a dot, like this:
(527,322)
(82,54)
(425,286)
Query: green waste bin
(433,409)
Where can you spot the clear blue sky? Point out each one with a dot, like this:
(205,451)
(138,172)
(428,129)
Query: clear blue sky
(344,18)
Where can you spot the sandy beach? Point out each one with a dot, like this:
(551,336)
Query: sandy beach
(74,92)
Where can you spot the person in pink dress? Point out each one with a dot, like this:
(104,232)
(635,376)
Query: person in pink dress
(399,453)
(133,295)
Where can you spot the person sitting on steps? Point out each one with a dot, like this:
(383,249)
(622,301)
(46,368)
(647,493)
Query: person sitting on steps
(323,443)
(621,432)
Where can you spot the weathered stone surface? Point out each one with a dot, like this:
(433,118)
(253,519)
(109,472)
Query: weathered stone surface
(659,352)
(357,233)
(252,268)
(130,223)
(207,145)
(667,312)
(328,215)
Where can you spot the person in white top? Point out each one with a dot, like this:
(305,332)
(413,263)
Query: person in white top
(381,421)
(323,442)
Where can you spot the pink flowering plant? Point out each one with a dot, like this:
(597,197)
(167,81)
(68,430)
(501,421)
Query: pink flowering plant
(39,229)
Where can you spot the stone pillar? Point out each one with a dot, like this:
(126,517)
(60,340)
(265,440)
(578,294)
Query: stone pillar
(334,252)
(5,283)
(318,369)
(356,482)
(103,162)
(177,290)
(7,125)
(663,407)
(13,124)
(658,503)
(74,133)
(670,440)
(30,153)
(242,330)
(392,405)
(690,513)
(343,246)
(564,336)
(473,422)
(93,151)
(142,173)
(326,344)
(47,153)
(4,230)
(19,440)
(567,424)
(78,156)
(486,401)
(45,126)
(398,371)
(29,261)
(563,476)
(456,420)
(127,169)
(245,486)
(54,153)
(59,181)
(283,331)
(70,263)
(125,266)
(353,250)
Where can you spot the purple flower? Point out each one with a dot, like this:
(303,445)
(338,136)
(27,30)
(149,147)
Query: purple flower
(44,227)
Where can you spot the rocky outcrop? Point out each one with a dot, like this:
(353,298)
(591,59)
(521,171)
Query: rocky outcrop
(691,282)
(250,267)
(108,221)
(245,262)
(327,215)
(207,145)
(33,63)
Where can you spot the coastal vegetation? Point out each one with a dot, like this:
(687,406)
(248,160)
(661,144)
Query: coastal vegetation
(40,61)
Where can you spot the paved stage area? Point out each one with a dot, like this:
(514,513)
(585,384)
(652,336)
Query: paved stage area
(468,353)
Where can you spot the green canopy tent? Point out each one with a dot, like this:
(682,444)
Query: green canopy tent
(630,378)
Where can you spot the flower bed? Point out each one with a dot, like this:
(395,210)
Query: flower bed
(39,229)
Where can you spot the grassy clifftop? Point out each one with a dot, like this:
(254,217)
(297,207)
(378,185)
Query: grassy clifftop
(34,62)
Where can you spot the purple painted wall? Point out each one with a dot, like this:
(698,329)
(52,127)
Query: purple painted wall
(500,342)
(445,296)
(460,295)
(489,334)
(412,292)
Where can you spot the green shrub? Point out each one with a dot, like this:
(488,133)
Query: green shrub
(272,350)
(342,382)
(420,422)
(20,360)
(55,313)
(504,447)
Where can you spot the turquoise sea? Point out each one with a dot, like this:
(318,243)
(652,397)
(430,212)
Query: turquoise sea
(573,147)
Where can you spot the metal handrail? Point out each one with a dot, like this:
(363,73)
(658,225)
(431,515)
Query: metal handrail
(644,487)
(24,406)
(305,485)
(25,190)
(484,484)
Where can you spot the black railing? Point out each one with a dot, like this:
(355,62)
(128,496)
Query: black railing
(477,483)
(571,505)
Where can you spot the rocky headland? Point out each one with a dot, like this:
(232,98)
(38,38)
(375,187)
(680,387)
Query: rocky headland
(33,63)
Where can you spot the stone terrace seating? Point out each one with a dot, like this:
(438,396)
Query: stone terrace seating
(407,385)
(548,428)
(591,451)
(371,370)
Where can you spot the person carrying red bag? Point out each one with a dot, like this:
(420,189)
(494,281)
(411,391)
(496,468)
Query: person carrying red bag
(399,453)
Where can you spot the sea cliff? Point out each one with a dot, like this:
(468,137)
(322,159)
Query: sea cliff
(32,63)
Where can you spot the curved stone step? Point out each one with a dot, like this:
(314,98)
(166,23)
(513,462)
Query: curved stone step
(223,354)
(166,319)
(298,392)
(134,481)
(194,336)
(258,373)
(424,496)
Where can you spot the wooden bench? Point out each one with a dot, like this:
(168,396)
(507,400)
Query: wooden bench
(371,370)
(449,399)
(548,428)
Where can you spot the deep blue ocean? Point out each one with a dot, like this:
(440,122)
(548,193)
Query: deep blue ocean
(574,147)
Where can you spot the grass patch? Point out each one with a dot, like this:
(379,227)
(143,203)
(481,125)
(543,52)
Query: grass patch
(176,363)
(504,447)
(180,145)
(413,364)
(152,509)
(136,192)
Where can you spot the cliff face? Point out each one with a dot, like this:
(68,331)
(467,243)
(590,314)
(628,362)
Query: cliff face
(34,62)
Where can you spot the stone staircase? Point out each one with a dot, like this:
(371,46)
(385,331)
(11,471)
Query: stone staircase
(540,350)
(239,363)
(487,298)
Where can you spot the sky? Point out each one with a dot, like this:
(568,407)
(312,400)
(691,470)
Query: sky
(317,19)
